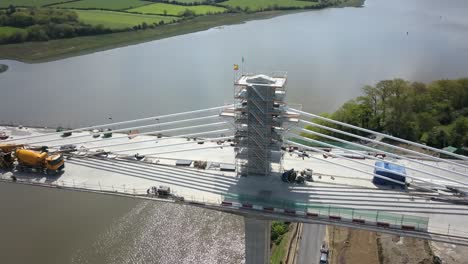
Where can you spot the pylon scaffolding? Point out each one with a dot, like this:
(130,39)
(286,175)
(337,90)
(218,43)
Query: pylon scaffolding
(259,113)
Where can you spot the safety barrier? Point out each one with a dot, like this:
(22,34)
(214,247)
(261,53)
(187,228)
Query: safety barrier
(313,210)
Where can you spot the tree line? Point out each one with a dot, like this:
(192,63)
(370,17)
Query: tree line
(41,24)
(435,114)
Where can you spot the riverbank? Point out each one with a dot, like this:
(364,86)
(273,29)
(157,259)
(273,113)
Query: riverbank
(3,68)
(37,52)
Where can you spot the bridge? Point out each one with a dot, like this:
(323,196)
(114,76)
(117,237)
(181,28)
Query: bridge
(231,158)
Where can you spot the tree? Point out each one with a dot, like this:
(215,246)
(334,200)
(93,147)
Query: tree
(437,138)
(17,37)
(11,9)
(188,13)
(38,33)
(459,132)
(383,90)
(426,121)
(278,229)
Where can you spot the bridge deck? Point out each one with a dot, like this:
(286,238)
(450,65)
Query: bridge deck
(346,196)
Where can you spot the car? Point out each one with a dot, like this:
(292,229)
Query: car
(324,254)
(323,258)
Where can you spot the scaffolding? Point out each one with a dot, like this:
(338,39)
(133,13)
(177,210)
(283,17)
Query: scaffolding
(259,113)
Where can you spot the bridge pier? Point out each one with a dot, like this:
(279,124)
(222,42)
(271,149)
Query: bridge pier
(257,241)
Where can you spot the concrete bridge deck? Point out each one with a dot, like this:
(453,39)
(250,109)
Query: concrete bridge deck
(339,196)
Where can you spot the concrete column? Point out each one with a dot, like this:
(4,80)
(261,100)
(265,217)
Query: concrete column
(257,241)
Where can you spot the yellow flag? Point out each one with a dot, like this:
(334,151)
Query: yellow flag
(236,67)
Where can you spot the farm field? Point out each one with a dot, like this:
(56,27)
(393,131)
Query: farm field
(119,20)
(104,4)
(7,31)
(176,10)
(262,4)
(37,3)
(187,1)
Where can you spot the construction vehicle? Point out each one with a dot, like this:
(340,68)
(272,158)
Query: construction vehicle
(107,133)
(164,190)
(31,160)
(65,132)
(291,176)
(6,155)
(307,174)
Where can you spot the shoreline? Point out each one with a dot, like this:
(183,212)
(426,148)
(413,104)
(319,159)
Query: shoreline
(39,52)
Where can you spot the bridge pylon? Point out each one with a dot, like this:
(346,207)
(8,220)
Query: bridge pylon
(259,113)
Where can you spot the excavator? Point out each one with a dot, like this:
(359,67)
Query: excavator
(30,160)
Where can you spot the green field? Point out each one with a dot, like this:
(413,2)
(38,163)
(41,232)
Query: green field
(176,10)
(119,20)
(6,3)
(104,4)
(7,31)
(187,1)
(254,5)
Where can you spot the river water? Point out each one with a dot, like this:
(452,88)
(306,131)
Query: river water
(47,226)
(329,54)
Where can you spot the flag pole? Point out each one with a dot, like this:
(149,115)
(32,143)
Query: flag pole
(242,65)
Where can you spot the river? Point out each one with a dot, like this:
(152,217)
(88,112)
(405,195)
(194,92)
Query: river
(329,55)
(47,226)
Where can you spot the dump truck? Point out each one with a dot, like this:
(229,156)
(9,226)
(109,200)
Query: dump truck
(31,160)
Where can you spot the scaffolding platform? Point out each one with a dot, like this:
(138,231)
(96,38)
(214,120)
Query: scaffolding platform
(261,115)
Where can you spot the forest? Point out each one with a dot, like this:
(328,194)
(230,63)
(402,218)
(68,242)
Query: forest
(435,114)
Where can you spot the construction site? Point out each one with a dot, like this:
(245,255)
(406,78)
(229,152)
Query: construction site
(252,158)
